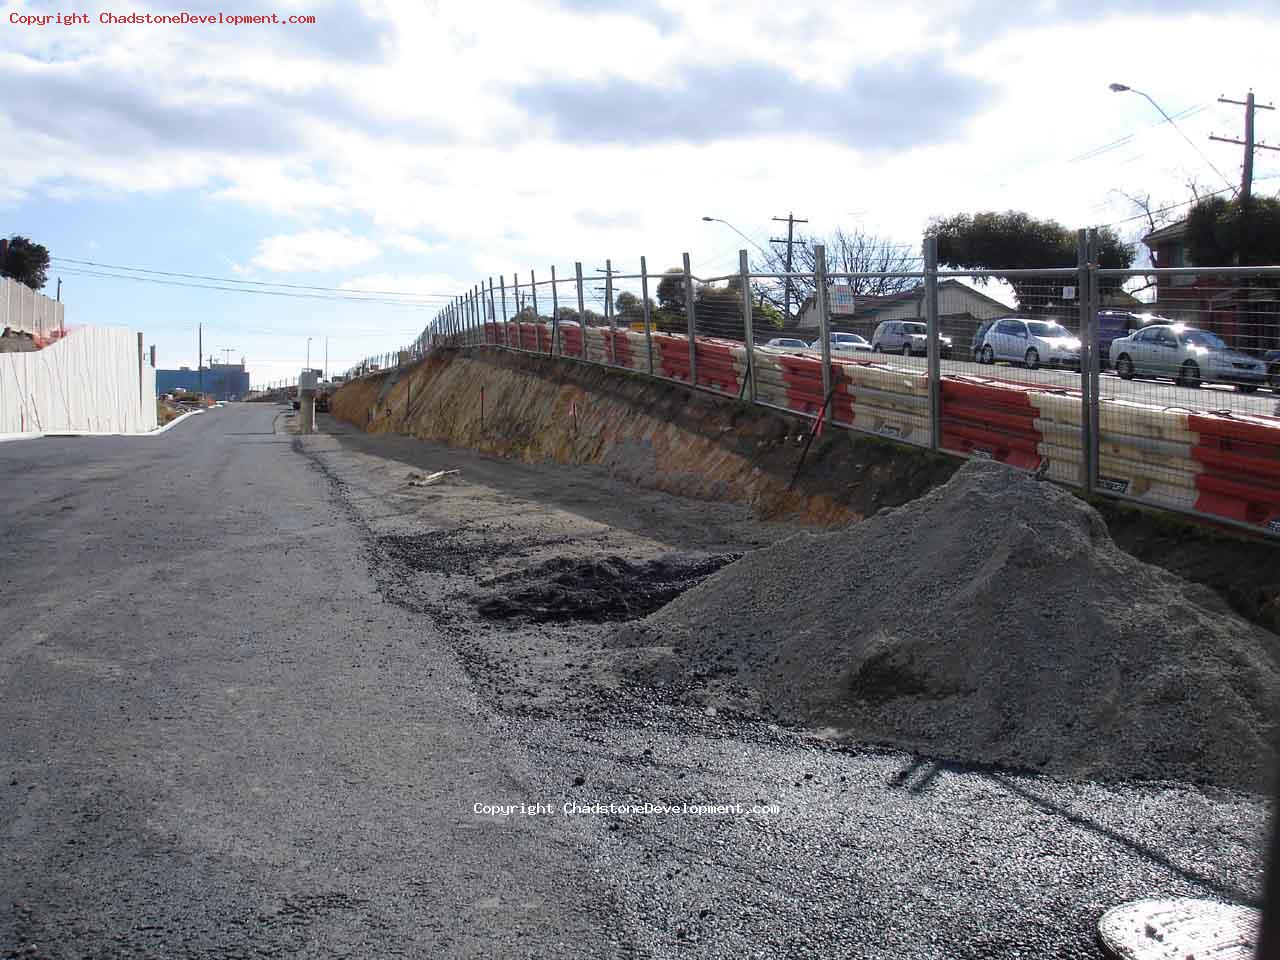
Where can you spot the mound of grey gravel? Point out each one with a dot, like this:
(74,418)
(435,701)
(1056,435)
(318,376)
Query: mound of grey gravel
(991,621)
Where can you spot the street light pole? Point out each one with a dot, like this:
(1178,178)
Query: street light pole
(738,232)
(1123,88)
(308,353)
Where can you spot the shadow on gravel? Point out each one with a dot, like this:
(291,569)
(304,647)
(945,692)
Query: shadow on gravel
(596,590)
(1147,853)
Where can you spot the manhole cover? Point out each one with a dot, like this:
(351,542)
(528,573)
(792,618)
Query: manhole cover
(1180,929)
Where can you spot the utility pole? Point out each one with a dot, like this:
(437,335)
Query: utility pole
(200,360)
(1250,107)
(58,298)
(791,221)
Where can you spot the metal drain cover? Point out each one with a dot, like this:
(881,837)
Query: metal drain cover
(1181,929)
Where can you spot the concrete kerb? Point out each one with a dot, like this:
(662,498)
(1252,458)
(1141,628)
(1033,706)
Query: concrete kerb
(7,437)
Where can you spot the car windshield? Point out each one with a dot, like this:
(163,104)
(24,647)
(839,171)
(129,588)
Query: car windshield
(789,343)
(914,328)
(1040,328)
(847,338)
(1203,338)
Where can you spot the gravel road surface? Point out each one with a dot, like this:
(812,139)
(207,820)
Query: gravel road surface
(251,706)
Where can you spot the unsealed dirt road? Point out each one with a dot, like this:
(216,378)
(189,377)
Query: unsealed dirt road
(253,708)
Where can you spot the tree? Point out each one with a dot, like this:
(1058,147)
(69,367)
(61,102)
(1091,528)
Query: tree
(1223,233)
(26,262)
(671,290)
(1014,240)
(854,252)
(567,315)
(718,313)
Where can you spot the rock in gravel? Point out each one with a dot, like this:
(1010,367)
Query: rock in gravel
(992,621)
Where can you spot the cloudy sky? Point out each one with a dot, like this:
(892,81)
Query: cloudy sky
(418,147)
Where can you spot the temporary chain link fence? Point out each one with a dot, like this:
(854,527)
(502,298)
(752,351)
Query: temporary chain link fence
(1168,399)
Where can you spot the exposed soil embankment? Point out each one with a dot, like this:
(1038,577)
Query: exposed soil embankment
(666,437)
(651,433)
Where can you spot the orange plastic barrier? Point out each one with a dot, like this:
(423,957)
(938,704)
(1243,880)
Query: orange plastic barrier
(996,421)
(1240,460)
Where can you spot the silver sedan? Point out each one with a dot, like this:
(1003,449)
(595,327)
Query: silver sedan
(1186,355)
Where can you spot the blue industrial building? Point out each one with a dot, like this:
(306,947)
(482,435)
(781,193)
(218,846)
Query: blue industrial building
(222,381)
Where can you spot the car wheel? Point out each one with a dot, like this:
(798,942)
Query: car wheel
(875,348)
(1189,375)
(906,349)
(987,355)
(1275,377)
(1246,387)
(1124,367)
(1032,359)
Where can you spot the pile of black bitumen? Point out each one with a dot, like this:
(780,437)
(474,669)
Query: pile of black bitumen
(991,621)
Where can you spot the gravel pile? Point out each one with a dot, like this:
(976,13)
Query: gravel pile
(991,621)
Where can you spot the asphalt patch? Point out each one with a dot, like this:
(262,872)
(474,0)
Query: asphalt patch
(597,590)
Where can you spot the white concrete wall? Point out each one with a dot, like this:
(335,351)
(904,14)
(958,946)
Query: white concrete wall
(88,382)
(24,310)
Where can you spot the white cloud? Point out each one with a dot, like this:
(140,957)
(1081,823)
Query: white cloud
(312,251)
(408,243)
(411,134)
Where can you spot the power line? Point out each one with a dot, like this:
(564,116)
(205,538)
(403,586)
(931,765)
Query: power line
(260,283)
(350,297)
(1128,138)
(1185,203)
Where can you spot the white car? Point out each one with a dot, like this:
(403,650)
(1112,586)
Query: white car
(1188,356)
(1033,343)
(787,343)
(844,343)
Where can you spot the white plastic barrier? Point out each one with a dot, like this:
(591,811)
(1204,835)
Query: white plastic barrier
(90,380)
(24,310)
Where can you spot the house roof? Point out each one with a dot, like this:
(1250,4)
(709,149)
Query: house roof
(863,306)
(1173,231)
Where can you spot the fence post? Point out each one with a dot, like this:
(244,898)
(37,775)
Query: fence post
(644,305)
(1087,349)
(608,311)
(824,324)
(934,346)
(1093,434)
(533,293)
(515,295)
(142,386)
(582,310)
(555,315)
(493,316)
(744,271)
(477,318)
(502,288)
(688,309)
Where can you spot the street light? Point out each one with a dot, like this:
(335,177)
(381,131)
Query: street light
(738,232)
(308,353)
(1124,88)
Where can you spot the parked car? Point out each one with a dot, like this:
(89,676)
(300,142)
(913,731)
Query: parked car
(1032,343)
(907,337)
(1272,360)
(980,337)
(1187,355)
(1113,324)
(844,343)
(787,343)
